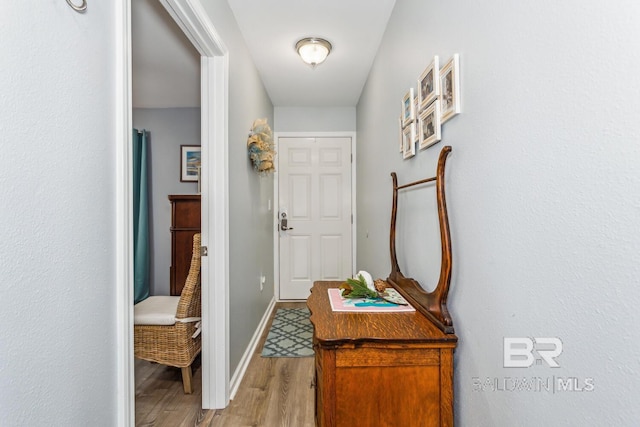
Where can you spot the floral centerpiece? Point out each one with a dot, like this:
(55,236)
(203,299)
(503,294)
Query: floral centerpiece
(363,286)
(261,147)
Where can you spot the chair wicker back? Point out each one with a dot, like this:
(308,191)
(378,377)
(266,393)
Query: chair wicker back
(175,345)
(190,304)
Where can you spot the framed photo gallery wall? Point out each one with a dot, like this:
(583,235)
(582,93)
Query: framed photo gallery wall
(436,100)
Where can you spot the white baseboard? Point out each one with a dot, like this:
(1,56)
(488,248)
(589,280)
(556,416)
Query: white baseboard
(236,379)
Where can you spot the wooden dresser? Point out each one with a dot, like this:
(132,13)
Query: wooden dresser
(389,369)
(185,222)
(380,369)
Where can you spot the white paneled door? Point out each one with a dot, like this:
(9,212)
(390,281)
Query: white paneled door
(315,217)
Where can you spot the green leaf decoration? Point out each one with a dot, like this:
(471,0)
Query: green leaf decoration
(358,289)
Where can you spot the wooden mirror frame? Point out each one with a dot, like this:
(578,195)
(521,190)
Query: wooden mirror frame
(432,304)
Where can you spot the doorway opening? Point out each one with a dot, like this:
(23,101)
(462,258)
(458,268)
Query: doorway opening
(194,22)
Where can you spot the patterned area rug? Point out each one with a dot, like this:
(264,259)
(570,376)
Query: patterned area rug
(290,334)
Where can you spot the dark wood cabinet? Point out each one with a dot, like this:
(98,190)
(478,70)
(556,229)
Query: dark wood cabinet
(185,222)
(380,369)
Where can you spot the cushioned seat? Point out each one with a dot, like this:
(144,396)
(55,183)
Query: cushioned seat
(157,310)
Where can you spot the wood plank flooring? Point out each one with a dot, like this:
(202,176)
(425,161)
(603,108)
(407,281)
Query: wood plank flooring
(275,392)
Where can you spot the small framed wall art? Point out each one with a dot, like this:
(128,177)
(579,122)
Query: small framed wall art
(409,141)
(450,87)
(189,162)
(408,108)
(429,84)
(429,125)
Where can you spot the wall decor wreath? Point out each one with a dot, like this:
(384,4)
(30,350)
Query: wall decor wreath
(261,147)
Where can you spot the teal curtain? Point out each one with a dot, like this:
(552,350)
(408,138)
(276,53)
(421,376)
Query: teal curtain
(141,260)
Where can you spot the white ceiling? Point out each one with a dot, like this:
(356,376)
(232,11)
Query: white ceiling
(166,66)
(272,28)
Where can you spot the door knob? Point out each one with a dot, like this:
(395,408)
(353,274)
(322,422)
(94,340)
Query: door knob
(283,222)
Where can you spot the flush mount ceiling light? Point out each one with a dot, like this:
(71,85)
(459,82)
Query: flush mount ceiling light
(313,50)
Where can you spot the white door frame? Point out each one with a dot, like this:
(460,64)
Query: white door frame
(214,70)
(276,198)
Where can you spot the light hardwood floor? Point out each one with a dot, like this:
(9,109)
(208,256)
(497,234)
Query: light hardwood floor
(275,392)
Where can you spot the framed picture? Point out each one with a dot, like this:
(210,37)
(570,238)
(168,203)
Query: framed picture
(408,108)
(429,84)
(450,87)
(429,125)
(189,162)
(409,141)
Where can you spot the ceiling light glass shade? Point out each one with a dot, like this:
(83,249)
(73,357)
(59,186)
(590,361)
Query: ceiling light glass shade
(313,50)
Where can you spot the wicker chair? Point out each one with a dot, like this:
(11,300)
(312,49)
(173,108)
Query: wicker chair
(167,328)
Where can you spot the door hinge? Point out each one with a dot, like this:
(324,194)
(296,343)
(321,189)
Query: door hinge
(204,251)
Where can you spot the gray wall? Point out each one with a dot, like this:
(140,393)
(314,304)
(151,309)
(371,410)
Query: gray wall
(315,119)
(57,239)
(543,190)
(168,129)
(250,222)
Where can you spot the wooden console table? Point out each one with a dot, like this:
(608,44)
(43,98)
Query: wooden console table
(380,369)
